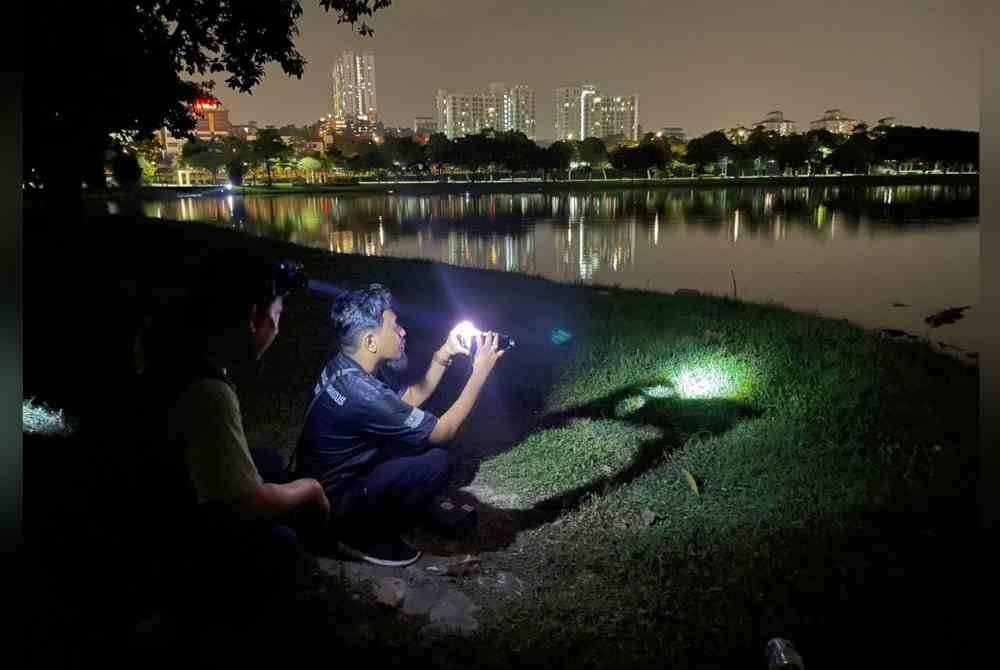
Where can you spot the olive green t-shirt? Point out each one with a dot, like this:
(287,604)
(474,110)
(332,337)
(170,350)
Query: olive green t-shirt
(206,421)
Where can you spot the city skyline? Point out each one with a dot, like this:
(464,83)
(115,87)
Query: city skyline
(914,61)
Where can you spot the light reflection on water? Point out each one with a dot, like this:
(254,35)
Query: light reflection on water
(846,252)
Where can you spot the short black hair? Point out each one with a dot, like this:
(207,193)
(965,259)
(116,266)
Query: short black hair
(226,289)
(354,312)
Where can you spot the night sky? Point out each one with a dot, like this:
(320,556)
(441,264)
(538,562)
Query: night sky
(700,66)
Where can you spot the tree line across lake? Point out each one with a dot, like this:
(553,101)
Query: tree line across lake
(492,155)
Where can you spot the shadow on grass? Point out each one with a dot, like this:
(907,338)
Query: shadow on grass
(678,419)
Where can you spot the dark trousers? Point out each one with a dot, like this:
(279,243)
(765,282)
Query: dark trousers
(392,497)
(233,562)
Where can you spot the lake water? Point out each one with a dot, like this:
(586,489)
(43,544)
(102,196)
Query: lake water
(880,256)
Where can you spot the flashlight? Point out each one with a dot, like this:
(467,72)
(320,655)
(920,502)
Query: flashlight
(467,337)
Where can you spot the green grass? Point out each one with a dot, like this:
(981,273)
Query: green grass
(810,434)
(553,461)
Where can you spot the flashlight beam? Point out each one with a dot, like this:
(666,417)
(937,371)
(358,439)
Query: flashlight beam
(318,286)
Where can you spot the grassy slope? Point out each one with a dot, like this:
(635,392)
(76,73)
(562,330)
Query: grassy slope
(834,479)
(830,480)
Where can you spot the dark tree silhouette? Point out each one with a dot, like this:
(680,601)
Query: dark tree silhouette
(205,155)
(117,47)
(558,156)
(237,155)
(594,153)
(126,170)
(440,150)
(709,148)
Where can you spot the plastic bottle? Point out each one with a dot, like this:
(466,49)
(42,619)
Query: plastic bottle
(781,655)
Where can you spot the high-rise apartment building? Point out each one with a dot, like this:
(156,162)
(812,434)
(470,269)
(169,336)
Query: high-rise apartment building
(516,105)
(776,123)
(619,116)
(504,107)
(424,125)
(571,111)
(354,87)
(460,114)
(834,121)
(582,112)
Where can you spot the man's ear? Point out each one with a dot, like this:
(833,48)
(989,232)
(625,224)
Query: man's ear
(370,342)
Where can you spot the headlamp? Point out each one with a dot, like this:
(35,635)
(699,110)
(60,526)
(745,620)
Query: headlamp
(288,276)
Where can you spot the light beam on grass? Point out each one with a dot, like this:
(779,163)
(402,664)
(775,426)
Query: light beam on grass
(554,461)
(706,381)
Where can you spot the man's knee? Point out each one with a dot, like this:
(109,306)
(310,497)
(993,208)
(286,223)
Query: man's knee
(438,463)
(439,457)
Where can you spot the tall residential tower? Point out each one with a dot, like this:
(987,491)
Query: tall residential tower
(354,87)
(504,107)
(582,111)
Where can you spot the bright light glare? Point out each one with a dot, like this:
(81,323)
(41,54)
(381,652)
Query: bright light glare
(467,331)
(229,186)
(705,382)
(40,420)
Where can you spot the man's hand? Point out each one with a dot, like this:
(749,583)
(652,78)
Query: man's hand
(482,365)
(273,501)
(320,500)
(453,345)
(487,354)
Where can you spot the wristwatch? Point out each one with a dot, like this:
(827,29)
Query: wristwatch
(440,360)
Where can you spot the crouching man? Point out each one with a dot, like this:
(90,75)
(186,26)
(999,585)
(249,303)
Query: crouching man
(230,504)
(377,455)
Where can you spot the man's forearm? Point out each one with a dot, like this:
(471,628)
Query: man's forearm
(452,420)
(272,501)
(418,394)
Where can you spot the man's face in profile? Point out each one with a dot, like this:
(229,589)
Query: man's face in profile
(392,342)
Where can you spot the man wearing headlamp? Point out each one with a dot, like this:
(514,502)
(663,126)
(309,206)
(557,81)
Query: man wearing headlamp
(233,502)
(367,441)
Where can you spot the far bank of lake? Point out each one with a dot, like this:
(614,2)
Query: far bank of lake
(460,184)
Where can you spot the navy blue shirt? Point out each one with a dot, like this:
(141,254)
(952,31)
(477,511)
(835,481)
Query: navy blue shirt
(358,422)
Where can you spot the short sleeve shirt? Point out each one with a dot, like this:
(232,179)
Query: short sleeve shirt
(358,422)
(206,420)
